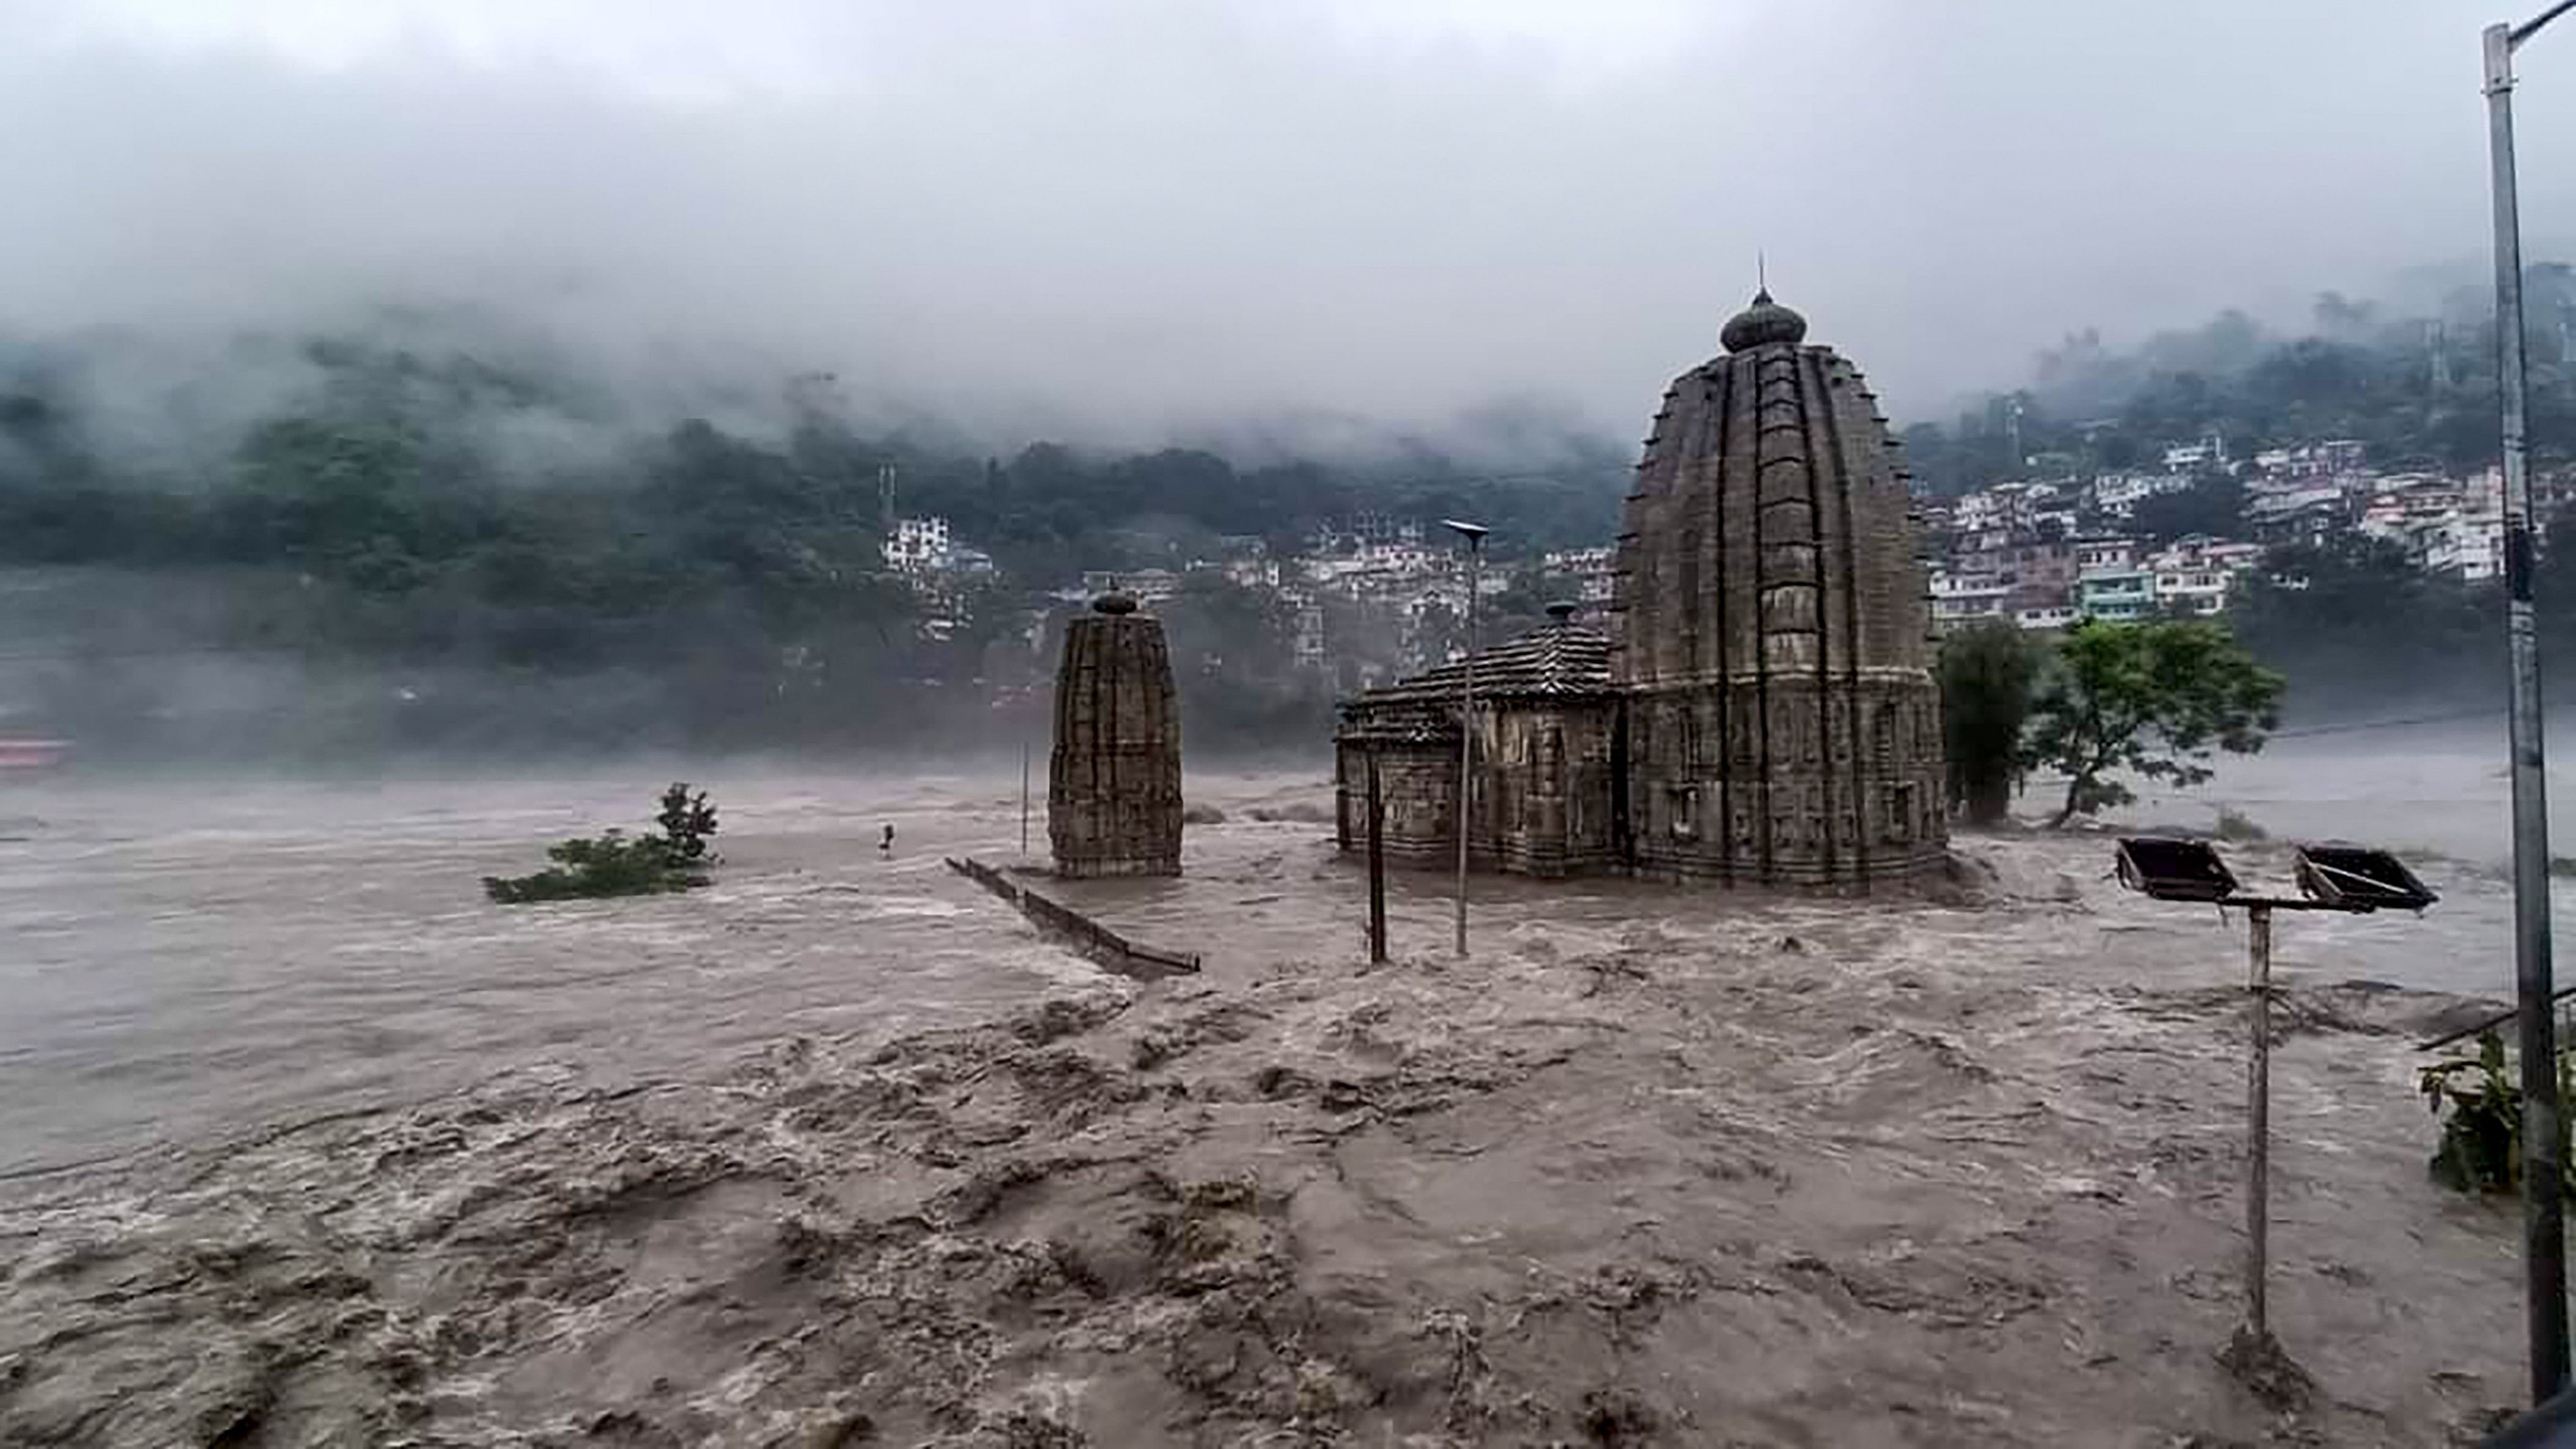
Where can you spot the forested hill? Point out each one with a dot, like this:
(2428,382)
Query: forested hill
(365,506)
(2417,386)
(390,463)
(426,532)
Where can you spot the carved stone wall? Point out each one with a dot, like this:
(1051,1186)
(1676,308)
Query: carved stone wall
(1417,787)
(1544,802)
(1824,814)
(1114,776)
(1543,799)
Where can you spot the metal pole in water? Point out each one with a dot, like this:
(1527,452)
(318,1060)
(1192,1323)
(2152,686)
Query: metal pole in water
(2544,1228)
(1377,866)
(2258,1121)
(1474,533)
(1467,742)
(1024,797)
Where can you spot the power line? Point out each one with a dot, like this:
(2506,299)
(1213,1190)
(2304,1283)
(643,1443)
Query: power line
(163,652)
(2360,726)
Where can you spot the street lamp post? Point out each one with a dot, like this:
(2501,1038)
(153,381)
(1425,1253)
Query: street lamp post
(1474,533)
(2353,878)
(2543,1219)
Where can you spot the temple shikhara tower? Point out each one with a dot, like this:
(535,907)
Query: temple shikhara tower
(1759,710)
(1114,777)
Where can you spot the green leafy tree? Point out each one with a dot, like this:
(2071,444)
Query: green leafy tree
(1221,630)
(1986,675)
(617,864)
(2347,619)
(686,820)
(2152,699)
(2214,506)
(614,864)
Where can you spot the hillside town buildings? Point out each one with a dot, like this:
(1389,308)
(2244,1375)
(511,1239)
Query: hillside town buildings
(1996,557)
(1368,599)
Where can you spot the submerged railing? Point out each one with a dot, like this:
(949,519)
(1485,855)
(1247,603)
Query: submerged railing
(1103,945)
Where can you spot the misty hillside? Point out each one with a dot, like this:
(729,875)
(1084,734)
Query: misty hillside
(400,538)
(2417,387)
(430,530)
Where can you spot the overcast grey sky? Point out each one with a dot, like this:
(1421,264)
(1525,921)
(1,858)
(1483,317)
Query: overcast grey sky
(1152,213)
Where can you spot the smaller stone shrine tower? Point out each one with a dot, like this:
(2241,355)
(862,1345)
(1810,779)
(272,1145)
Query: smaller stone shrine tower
(1114,778)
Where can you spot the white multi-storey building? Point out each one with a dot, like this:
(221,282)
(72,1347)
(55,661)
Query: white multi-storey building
(2201,590)
(2047,616)
(2119,494)
(918,545)
(1966,597)
(1595,571)
(2105,555)
(2469,546)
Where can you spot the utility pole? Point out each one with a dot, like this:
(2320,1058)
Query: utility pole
(2258,1122)
(1376,865)
(2544,1228)
(1474,534)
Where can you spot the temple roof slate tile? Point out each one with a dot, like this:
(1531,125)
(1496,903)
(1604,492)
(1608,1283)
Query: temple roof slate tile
(1555,659)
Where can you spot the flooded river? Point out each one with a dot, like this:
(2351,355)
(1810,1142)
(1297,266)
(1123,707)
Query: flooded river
(188,956)
(307,1143)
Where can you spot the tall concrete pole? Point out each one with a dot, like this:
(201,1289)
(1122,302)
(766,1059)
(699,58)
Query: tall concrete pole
(2543,1213)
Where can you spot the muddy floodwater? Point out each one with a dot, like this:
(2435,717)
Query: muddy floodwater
(303,1142)
(191,957)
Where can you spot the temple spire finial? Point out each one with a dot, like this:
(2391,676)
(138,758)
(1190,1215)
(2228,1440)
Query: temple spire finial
(1761,276)
(1762,324)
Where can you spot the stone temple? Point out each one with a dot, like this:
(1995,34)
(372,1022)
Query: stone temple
(1114,776)
(1757,711)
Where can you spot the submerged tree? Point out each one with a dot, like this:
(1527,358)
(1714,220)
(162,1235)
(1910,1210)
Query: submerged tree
(1986,675)
(2150,698)
(617,864)
(686,820)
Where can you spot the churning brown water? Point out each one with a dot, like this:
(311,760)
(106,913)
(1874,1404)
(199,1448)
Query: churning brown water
(307,1143)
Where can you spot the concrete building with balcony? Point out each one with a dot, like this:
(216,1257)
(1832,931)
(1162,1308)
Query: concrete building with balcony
(2116,594)
(1964,598)
(2102,555)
